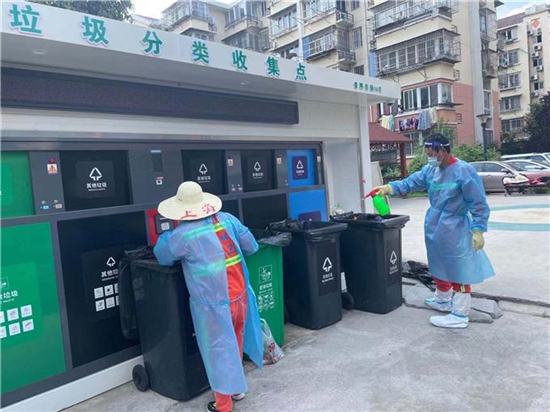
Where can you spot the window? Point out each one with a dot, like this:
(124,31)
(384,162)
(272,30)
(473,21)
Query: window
(478,166)
(509,59)
(509,81)
(510,103)
(411,55)
(424,97)
(355,4)
(402,56)
(284,23)
(511,34)
(359,70)
(410,100)
(538,39)
(446,93)
(537,62)
(493,168)
(416,137)
(487,103)
(538,85)
(512,125)
(357,38)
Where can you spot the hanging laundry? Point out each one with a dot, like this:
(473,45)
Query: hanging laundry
(391,123)
(385,122)
(424,121)
(433,116)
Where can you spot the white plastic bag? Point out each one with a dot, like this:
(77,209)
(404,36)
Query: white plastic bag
(272,352)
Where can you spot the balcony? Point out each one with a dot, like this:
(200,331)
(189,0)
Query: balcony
(344,19)
(501,44)
(489,64)
(488,25)
(247,21)
(390,13)
(182,11)
(282,31)
(334,40)
(346,57)
(439,46)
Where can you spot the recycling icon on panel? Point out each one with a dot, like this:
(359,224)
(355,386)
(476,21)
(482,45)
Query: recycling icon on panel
(95,174)
(327,265)
(257,167)
(111,262)
(393,258)
(203,169)
(300,165)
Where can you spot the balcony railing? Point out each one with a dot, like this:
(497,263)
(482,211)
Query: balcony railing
(488,25)
(344,18)
(279,32)
(251,21)
(335,40)
(442,45)
(390,13)
(489,64)
(347,57)
(182,12)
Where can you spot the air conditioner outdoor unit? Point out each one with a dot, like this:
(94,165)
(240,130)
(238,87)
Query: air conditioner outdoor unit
(530,32)
(534,77)
(536,93)
(538,47)
(540,68)
(535,55)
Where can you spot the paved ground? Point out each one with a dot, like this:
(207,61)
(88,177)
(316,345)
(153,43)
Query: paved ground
(518,243)
(394,362)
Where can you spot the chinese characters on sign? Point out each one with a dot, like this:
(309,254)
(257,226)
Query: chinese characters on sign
(25,20)
(273,66)
(95,31)
(301,73)
(367,88)
(153,43)
(239,60)
(199,52)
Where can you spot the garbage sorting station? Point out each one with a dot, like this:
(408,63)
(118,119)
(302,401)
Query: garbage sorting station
(101,121)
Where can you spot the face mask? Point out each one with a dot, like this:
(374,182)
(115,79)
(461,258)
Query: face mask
(432,161)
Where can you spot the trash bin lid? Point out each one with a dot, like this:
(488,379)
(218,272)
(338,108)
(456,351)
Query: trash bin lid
(154,266)
(310,230)
(271,237)
(372,220)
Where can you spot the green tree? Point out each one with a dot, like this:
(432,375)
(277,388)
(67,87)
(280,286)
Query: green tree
(537,126)
(111,9)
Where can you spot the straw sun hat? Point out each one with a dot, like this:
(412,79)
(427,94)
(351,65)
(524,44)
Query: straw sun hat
(190,203)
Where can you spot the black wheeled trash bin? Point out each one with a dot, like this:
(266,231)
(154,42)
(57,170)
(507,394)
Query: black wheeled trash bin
(160,307)
(312,275)
(371,260)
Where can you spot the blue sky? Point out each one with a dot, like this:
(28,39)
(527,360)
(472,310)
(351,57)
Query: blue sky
(153,8)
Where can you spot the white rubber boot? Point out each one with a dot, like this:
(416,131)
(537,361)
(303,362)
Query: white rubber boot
(441,301)
(458,318)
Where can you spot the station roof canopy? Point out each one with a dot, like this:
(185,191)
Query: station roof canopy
(52,39)
(379,134)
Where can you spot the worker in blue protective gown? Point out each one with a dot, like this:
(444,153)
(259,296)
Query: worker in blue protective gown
(210,245)
(453,229)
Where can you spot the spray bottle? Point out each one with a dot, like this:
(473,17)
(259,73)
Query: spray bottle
(379,203)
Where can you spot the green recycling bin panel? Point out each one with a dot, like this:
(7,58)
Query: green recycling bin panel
(16,190)
(266,278)
(31,340)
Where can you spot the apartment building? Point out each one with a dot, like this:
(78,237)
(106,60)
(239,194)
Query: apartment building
(524,65)
(443,53)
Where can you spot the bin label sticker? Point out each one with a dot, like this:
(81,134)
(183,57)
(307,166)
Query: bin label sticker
(52,168)
(21,313)
(299,167)
(394,274)
(266,293)
(326,268)
(95,179)
(256,170)
(101,280)
(393,258)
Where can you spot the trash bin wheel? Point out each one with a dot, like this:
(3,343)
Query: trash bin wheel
(140,377)
(347,301)
(286,315)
